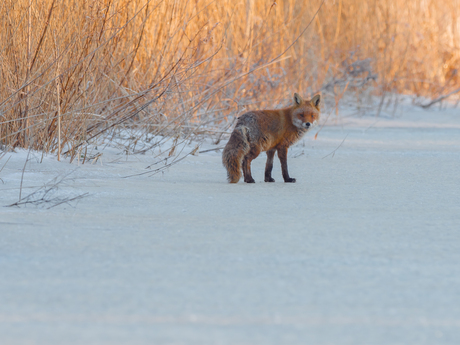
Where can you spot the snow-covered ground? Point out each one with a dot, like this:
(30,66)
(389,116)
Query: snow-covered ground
(363,249)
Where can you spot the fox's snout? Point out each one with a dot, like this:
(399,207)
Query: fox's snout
(309,125)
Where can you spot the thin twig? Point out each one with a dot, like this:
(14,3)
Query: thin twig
(5,162)
(22,176)
(216,149)
(44,194)
(153,172)
(333,152)
(69,200)
(440,98)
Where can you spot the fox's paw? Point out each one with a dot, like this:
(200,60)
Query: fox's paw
(249,180)
(290,180)
(269,179)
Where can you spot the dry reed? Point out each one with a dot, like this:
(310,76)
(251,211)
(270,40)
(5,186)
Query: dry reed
(76,72)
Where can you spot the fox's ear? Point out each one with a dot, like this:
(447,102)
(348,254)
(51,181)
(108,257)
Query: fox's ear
(316,100)
(297,98)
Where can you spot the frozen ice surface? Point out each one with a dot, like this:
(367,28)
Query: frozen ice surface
(363,249)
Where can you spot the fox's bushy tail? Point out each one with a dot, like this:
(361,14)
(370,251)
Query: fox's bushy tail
(234,152)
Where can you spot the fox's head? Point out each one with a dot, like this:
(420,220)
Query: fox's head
(305,114)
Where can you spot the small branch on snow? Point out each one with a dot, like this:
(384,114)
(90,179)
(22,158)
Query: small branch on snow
(439,99)
(333,152)
(44,194)
(22,176)
(215,149)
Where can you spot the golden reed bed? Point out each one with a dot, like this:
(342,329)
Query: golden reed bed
(73,72)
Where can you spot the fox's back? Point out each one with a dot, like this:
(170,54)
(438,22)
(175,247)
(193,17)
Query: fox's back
(263,128)
(268,128)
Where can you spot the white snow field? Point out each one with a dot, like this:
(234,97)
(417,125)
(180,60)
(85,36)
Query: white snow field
(363,249)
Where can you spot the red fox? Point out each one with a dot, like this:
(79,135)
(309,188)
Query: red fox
(268,130)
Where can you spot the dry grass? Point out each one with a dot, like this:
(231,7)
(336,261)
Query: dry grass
(75,72)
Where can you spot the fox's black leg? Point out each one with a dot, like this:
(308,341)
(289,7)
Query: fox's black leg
(282,155)
(253,153)
(269,166)
(247,170)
